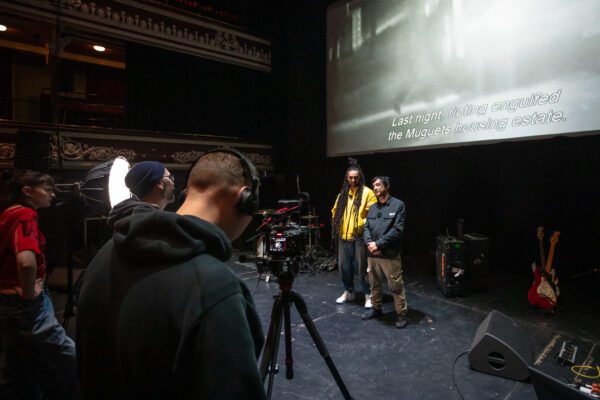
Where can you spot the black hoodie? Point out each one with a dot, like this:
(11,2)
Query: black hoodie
(125,209)
(160,316)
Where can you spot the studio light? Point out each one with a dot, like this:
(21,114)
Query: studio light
(117,190)
(2,28)
(103,187)
(99,48)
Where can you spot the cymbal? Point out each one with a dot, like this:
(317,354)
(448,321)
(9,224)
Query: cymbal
(264,212)
(309,216)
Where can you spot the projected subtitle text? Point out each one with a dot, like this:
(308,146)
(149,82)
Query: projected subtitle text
(470,118)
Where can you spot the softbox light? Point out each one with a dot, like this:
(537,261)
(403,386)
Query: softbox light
(104,185)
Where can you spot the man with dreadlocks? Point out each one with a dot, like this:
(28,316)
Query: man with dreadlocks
(349,213)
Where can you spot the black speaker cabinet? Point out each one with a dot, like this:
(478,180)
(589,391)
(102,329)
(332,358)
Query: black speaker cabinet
(501,347)
(451,269)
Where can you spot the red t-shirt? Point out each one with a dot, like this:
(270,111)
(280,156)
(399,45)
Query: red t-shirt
(19,231)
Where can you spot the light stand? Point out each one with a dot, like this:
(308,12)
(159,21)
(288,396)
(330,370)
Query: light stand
(103,187)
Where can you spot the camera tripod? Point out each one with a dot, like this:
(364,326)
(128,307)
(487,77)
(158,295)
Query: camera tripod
(268,365)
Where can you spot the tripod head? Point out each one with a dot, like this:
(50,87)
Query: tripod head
(285,286)
(285,270)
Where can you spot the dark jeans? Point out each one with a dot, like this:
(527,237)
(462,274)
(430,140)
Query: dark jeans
(36,352)
(352,256)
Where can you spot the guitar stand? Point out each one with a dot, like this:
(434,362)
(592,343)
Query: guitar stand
(268,365)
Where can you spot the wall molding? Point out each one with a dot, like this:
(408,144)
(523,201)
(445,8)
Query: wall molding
(74,148)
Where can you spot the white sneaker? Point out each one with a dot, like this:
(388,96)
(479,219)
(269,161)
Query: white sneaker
(346,297)
(368,301)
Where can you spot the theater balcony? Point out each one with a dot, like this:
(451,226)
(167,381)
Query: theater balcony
(147,80)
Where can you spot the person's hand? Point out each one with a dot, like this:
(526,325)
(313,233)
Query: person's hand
(372,247)
(38,288)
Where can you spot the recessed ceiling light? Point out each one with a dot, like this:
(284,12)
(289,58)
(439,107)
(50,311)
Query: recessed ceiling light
(2,28)
(99,48)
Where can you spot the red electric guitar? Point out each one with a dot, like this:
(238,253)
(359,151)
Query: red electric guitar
(544,292)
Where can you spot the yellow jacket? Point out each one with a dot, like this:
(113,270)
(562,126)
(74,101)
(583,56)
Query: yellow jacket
(347,229)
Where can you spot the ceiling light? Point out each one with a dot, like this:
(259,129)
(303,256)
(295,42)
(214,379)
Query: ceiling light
(99,48)
(2,28)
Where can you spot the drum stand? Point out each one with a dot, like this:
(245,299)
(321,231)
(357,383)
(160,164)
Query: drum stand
(268,365)
(310,256)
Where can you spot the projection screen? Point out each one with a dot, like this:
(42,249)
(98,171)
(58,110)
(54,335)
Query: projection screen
(409,74)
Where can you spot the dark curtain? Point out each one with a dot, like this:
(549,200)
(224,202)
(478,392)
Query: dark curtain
(5,84)
(105,85)
(181,93)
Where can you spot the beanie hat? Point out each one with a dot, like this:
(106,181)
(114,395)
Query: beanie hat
(144,176)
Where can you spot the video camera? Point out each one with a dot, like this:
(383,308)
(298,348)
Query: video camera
(280,242)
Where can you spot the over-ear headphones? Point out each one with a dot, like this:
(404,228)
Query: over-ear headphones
(247,202)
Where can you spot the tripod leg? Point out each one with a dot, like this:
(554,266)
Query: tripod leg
(312,330)
(268,364)
(70,301)
(289,360)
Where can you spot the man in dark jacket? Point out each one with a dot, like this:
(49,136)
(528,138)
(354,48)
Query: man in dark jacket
(152,186)
(383,235)
(160,315)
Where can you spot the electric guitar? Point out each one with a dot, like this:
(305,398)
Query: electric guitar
(544,292)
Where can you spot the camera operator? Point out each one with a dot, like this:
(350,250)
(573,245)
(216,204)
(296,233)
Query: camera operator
(160,314)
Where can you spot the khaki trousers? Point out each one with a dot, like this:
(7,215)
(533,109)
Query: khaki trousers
(390,269)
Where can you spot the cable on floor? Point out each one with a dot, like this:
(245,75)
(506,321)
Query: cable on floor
(453,380)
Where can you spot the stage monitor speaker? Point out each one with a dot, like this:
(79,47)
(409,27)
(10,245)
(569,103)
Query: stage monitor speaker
(501,347)
(32,150)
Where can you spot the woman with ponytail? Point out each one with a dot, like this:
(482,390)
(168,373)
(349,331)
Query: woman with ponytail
(37,357)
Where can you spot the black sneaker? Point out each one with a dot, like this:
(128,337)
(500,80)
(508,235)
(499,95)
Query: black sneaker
(401,321)
(372,313)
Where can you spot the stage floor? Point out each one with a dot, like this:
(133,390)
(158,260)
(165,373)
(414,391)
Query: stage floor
(378,361)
